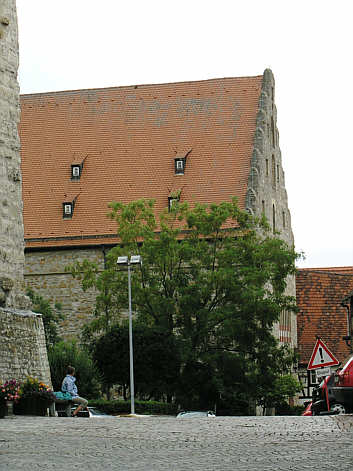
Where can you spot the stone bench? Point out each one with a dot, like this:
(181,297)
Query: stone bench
(61,408)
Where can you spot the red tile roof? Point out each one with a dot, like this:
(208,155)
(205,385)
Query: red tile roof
(128,138)
(341,270)
(319,297)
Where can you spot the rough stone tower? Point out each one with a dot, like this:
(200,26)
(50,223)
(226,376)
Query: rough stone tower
(22,339)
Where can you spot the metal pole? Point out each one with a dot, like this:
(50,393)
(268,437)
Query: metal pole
(132,392)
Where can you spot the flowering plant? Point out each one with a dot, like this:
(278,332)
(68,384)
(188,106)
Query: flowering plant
(34,387)
(10,391)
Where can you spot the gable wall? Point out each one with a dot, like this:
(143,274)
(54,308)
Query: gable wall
(267,193)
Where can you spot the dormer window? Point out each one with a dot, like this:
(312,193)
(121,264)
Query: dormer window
(173,198)
(180,162)
(76,172)
(77,167)
(69,206)
(180,166)
(68,209)
(172,201)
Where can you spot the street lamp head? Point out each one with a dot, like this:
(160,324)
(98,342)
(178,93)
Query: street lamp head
(136,259)
(122,260)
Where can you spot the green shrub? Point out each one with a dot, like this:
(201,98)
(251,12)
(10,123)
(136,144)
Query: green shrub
(286,409)
(141,407)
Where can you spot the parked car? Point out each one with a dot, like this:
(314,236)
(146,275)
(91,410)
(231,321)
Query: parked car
(334,395)
(193,414)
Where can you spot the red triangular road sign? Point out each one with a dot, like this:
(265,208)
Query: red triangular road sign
(321,357)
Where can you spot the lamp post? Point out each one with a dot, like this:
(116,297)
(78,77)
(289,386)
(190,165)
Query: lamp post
(133,260)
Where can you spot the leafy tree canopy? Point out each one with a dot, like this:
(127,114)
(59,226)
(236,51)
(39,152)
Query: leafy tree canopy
(212,275)
(51,316)
(156,360)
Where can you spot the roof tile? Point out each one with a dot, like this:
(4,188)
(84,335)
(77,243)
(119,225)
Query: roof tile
(129,137)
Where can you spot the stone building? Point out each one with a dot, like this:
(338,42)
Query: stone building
(204,141)
(22,339)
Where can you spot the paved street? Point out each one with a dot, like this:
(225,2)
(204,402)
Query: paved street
(166,443)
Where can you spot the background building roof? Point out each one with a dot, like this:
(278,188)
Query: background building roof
(341,270)
(127,139)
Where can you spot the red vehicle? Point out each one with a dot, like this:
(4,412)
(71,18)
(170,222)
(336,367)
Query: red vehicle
(334,395)
(308,410)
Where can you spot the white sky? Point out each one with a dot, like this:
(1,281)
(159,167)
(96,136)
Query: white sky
(72,44)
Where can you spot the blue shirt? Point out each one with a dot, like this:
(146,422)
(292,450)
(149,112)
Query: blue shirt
(69,385)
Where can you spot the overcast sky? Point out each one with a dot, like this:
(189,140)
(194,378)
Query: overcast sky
(73,44)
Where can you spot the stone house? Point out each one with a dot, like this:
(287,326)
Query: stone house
(204,141)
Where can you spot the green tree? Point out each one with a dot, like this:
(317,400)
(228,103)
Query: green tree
(283,388)
(156,360)
(64,354)
(51,316)
(212,275)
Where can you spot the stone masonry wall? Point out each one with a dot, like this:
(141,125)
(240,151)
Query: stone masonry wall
(266,192)
(22,337)
(22,346)
(45,274)
(11,222)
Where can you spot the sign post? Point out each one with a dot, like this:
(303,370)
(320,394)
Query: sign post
(321,357)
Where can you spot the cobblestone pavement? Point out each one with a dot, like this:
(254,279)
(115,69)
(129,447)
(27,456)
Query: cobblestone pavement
(167,443)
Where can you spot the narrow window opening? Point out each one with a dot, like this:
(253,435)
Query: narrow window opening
(272,97)
(266,167)
(277,173)
(284,219)
(263,207)
(273,132)
(273,172)
(273,218)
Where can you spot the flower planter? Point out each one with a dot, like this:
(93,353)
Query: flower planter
(9,408)
(33,406)
(6,409)
(2,409)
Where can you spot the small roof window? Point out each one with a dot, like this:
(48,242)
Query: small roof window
(172,201)
(76,172)
(68,207)
(173,198)
(179,166)
(76,168)
(180,163)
